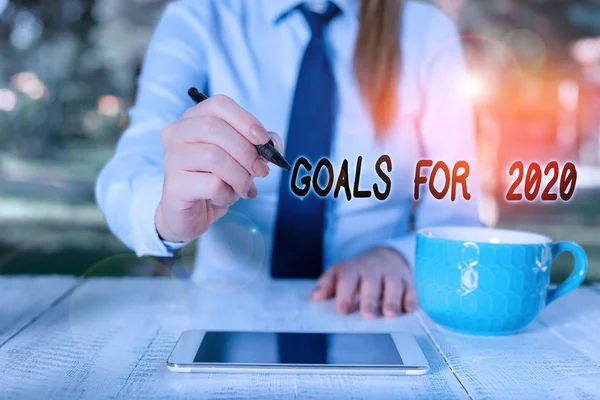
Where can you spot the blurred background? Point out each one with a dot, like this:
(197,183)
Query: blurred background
(67,78)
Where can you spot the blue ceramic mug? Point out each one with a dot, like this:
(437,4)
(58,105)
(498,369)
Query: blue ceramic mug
(489,281)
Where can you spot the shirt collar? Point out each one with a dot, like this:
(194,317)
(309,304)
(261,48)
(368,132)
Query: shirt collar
(275,10)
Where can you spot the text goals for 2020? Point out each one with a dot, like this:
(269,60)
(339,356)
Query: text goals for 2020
(532,178)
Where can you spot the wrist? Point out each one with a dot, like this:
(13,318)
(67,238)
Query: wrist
(392,255)
(163,232)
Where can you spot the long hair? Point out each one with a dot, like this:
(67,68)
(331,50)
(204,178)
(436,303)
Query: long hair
(377,58)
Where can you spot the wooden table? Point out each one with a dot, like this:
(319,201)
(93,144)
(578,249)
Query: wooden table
(61,337)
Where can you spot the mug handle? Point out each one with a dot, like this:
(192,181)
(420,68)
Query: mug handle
(577,276)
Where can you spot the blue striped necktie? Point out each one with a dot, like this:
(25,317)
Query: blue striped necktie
(298,241)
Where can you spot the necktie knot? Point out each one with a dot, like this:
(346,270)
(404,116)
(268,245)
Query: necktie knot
(318,21)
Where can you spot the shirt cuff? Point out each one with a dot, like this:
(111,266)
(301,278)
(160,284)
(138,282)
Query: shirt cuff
(173,246)
(146,197)
(406,246)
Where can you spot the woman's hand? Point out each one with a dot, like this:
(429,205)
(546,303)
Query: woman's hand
(377,282)
(210,163)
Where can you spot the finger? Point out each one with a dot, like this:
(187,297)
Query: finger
(410,296)
(196,186)
(277,142)
(227,109)
(393,290)
(214,131)
(231,201)
(261,168)
(211,158)
(325,286)
(345,290)
(370,293)
(355,306)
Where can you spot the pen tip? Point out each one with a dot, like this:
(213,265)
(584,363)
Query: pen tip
(278,160)
(193,91)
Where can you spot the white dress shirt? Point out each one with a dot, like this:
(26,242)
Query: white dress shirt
(250,50)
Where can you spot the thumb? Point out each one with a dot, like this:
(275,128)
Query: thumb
(277,141)
(325,287)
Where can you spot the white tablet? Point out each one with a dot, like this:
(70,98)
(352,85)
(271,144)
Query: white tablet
(259,352)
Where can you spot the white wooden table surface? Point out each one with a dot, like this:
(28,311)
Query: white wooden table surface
(109,338)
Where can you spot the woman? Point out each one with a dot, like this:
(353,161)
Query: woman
(336,80)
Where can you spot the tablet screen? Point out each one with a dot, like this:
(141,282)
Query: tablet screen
(298,348)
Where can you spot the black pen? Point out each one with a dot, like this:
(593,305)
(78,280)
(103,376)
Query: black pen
(268,151)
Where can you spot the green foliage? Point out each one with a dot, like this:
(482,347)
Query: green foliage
(80,50)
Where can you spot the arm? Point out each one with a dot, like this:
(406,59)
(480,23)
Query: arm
(180,166)
(129,187)
(447,134)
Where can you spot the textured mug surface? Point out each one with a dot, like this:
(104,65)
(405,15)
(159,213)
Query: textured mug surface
(489,281)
